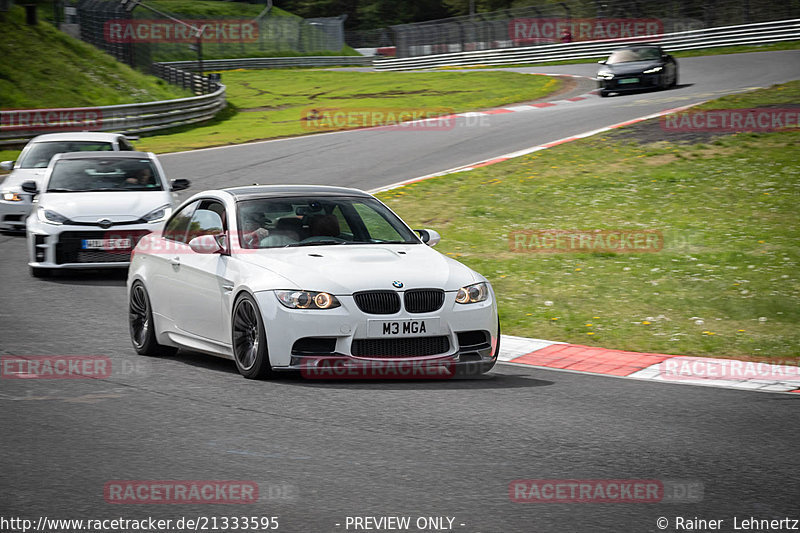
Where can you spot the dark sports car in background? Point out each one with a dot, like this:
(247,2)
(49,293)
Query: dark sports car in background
(635,68)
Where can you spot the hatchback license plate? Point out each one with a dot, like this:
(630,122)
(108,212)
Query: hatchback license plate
(629,80)
(403,328)
(106,244)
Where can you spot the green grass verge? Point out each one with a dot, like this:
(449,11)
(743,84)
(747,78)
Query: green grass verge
(268,104)
(76,73)
(723,50)
(727,282)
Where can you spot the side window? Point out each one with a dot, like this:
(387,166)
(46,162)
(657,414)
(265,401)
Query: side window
(207,219)
(344,227)
(125,145)
(175,229)
(377,226)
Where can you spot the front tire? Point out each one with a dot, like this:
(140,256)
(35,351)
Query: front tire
(604,93)
(249,340)
(141,325)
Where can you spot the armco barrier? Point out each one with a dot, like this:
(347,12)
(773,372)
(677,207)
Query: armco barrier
(16,126)
(747,34)
(274,62)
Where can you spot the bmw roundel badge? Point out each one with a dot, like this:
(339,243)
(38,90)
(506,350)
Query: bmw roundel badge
(397,284)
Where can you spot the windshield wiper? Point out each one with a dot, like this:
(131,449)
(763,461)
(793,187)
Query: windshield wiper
(315,243)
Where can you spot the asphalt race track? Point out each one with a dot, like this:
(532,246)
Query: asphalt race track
(321,451)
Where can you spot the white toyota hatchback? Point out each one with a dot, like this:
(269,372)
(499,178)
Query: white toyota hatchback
(93,207)
(324,280)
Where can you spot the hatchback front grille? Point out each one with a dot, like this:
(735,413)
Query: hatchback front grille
(424,300)
(378,302)
(69,250)
(405,347)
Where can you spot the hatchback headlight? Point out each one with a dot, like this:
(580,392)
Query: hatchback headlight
(307,300)
(653,70)
(50,217)
(158,214)
(10,196)
(473,293)
(605,75)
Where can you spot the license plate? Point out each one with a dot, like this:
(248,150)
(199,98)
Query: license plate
(403,328)
(106,244)
(629,80)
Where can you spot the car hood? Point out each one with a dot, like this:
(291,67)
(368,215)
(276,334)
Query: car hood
(13,181)
(634,67)
(115,206)
(347,268)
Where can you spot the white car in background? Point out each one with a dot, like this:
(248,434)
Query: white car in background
(15,204)
(308,278)
(93,207)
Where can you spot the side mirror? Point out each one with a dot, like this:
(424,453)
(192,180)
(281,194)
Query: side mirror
(179,185)
(30,187)
(429,236)
(7,165)
(205,244)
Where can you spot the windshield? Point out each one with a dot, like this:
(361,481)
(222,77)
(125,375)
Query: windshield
(39,154)
(629,55)
(95,174)
(313,221)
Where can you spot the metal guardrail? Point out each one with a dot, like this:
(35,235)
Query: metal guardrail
(746,34)
(127,118)
(273,62)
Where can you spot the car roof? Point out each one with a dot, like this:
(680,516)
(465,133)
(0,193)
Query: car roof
(77,136)
(639,45)
(104,155)
(251,192)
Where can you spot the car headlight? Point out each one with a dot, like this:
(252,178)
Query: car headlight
(605,75)
(158,214)
(10,196)
(473,293)
(653,70)
(307,300)
(50,217)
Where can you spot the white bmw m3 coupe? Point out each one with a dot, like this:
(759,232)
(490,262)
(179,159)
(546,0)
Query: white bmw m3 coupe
(308,278)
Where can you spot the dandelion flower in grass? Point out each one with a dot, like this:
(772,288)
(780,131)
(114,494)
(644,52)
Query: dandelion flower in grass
(578,270)
(740,331)
(590,332)
(588,325)
(646,322)
(554,318)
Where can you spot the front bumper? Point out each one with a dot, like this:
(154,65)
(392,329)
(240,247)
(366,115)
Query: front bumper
(56,247)
(624,82)
(465,338)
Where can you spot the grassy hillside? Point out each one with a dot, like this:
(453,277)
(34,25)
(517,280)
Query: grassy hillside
(43,67)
